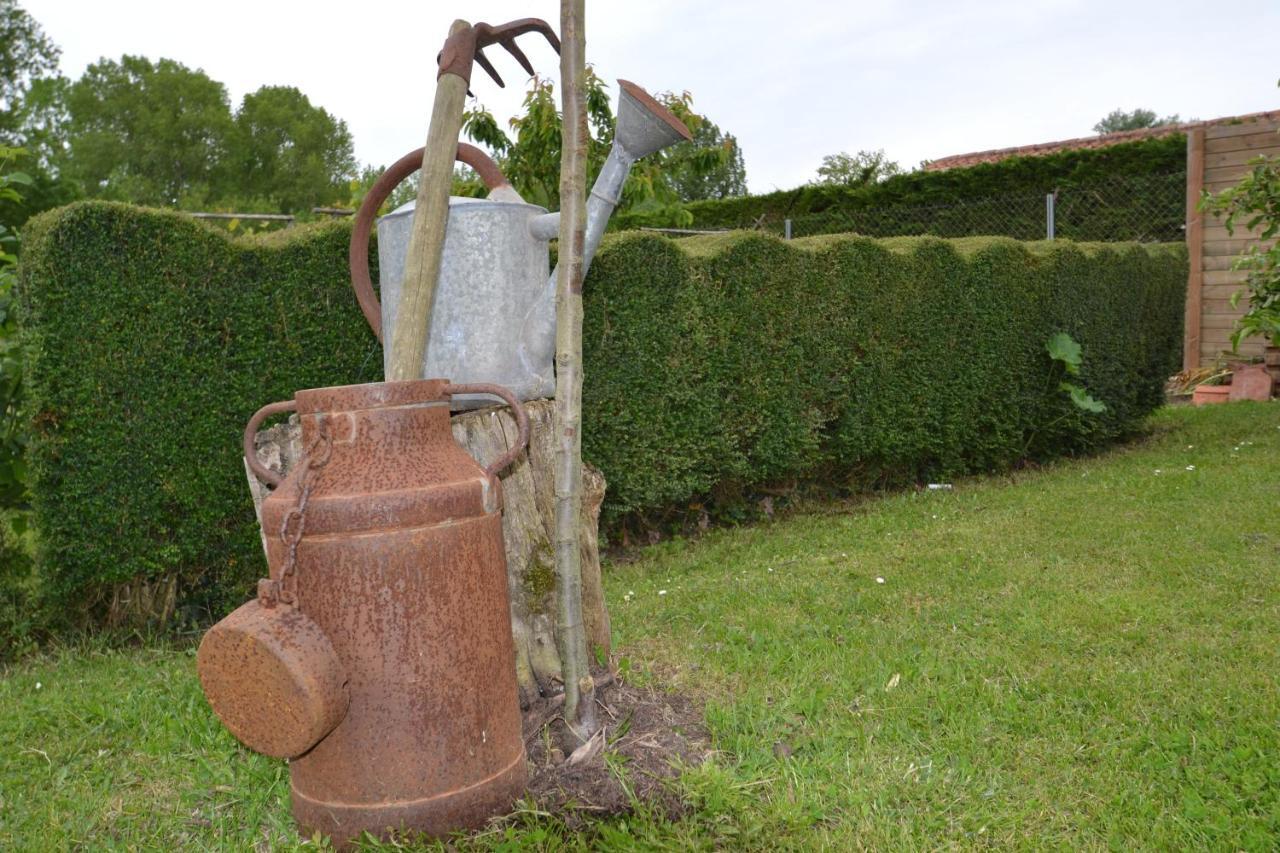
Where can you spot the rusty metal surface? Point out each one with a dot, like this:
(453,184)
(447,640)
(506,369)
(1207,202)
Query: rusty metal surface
(467,46)
(273,678)
(490,174)
(358,249)
(402,569)
(522,420)
(259,470)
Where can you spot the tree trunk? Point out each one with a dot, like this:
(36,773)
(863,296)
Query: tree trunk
(528,524)
(579,705)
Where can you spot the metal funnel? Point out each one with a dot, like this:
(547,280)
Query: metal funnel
(643,127)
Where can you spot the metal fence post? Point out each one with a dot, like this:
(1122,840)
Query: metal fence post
(1048,215)
(786,229)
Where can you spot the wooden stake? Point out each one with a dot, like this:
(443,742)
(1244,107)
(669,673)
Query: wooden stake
(430,215)
(579,707)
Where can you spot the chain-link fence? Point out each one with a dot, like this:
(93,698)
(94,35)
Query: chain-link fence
(1143,208)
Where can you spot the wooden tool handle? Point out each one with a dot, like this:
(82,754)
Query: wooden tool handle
(430,215)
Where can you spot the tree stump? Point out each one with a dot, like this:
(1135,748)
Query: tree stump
(528,519)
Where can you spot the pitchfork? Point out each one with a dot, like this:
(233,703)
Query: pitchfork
(464,46)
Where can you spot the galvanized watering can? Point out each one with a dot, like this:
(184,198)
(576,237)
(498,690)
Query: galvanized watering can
(378,655)
(494,314)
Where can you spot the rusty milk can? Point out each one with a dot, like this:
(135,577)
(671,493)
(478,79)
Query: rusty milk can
(378,656)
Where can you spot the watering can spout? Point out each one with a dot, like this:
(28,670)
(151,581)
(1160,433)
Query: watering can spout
(643,127)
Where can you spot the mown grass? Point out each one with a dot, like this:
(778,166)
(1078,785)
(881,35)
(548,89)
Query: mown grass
(1084,656)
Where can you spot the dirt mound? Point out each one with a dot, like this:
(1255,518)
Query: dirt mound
(647,734)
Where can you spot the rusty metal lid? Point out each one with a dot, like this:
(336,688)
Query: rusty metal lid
(273,678)
(393,463)
(373,395)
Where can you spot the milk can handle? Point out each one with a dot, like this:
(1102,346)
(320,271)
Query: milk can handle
(522,420)
(262,472)
(358,255)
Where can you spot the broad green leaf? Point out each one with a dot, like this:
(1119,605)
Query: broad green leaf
(1082,399)
(1062,347)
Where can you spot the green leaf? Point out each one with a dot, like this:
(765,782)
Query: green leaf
(1082,399)
(1062,347)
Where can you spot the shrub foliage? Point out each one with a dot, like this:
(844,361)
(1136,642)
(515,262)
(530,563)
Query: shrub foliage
(712,366)
(727,361)
(151,339)
(1016,176)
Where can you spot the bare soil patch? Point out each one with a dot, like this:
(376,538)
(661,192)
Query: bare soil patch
(647,735)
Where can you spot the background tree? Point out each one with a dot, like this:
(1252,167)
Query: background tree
(530,157)
(709,166)
(286,155)
(41,121)
(531,160)
(31,116)
(12,429)
(26,54)
(147,133)
(855,170)
(1118,120)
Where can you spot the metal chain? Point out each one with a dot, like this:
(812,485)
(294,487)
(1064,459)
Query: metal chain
(318,455)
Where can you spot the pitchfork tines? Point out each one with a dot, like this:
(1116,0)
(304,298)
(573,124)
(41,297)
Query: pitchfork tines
(466,46)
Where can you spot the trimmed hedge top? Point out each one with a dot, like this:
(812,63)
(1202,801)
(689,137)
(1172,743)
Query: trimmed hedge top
(1013,176)
(712,365)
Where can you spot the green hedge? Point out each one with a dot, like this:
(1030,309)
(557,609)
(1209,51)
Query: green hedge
(712,365)
(1015,177)
(723,361)
(152,339)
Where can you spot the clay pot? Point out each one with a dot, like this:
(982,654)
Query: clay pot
(1206,394)
(1251,382)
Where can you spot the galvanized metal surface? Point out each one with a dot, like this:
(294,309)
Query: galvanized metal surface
(358,249)
(491,267)
(494,312)
(402,569)
(494,257)
(643,127)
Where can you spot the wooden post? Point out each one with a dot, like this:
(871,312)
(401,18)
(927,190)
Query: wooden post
(430,214)
(579,705)
(1195,249)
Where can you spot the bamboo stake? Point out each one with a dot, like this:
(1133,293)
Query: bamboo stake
(430,215)
(579,707)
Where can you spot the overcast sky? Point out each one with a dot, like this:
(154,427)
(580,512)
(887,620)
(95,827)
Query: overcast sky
(792,80)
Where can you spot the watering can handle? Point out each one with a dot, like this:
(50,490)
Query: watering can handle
(368,212)
(262,472)
(522,420)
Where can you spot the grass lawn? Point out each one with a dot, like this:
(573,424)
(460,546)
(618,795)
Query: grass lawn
(1084,656)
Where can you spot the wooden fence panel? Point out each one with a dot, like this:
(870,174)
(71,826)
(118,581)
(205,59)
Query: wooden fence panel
(1217,158)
